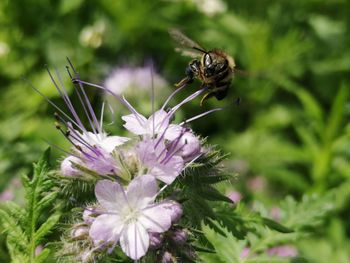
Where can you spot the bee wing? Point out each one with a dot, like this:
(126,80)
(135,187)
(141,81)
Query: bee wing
(187,46)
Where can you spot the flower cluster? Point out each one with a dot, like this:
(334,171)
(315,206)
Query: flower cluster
(129,173)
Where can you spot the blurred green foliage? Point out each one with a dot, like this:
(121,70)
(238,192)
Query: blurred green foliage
(291,128)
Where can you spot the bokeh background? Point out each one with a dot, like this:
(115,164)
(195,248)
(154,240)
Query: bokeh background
(289,136)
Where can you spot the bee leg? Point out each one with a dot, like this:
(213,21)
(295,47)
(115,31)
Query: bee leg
(188,79)
(206,96)
(182,82)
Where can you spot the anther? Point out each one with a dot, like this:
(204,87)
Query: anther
(58,126)
(57,117)
(78,147)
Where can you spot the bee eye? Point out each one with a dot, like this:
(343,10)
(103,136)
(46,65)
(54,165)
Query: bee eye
(207,60)
(220,66)
(194,66)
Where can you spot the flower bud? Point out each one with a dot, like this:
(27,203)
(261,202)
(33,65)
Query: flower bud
(191,146)
(67,168)
(79,232)
(88,215)
(6,195)
(179,236)
(283,251)
(234,196)
(38,250)
(175,210)
(85,256)
(155,240)
(167,257)
(245,252)
(188,146)
(275,213)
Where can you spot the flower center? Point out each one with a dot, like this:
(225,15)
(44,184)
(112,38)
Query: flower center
(131,215)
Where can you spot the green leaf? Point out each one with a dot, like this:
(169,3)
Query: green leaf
(212,194)
(25,231)
(14,232)
(42,256)
(307,213)
(47,200)
(276,226)
(227,247)
(337,113)
(46,227)
(310,104)
(67,6)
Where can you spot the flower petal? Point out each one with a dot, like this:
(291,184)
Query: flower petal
(67,168)
(169,171)
(156,219)
(110,195)
(173,132)
(174,209)
(110,142)
(146,152)
(106,228)
(141,191)
(134,240)
(136,125)
(161,121)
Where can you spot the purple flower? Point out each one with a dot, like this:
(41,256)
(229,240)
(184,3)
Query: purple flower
(67,166)
(99,140)
(179,236)
(140,125)
(275,213)
(38,250)
(257,183)
(179,140)
(283,251)
(234,196)
(6,195)
(245,252)
(79,232)
(89,215)
(175,210)
(155,240)
(167,257)
(188,146)
(91,144)
(161,163)
(126,79)
(129,215)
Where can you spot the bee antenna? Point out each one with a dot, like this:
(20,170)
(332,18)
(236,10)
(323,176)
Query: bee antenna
(199,49)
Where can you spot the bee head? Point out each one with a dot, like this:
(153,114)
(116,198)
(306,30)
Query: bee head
(213,64)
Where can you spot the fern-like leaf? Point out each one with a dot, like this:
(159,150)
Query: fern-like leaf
(23,226)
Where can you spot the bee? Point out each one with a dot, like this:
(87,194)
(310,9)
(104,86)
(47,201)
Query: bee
(213,68)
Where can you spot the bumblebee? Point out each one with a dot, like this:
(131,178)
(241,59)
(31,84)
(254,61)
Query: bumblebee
(213,68)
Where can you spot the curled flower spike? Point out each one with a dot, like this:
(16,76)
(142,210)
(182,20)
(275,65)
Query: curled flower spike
(127,213)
